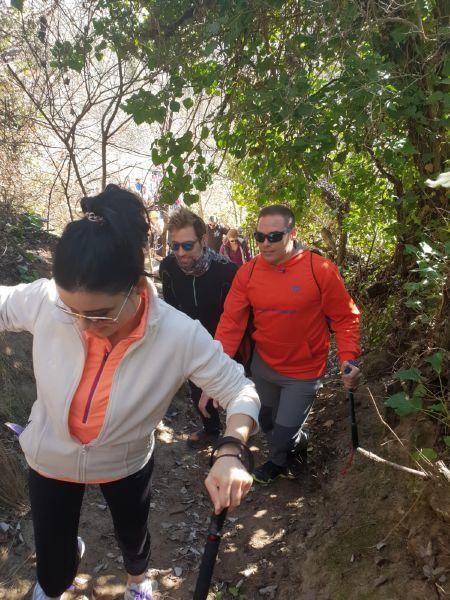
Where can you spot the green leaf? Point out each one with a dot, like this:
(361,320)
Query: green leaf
(408,375)
(435,361)
(190,198)
(447,440)
(410,249)
(402,405)
(213,27)
(156,157)
(188,103)
(18,4)
(419,391)
(204,132)
(304,110)
(435,97)
(145,107)
(399,34)
(175,106)
(408,149)
(437,408)
(427,454)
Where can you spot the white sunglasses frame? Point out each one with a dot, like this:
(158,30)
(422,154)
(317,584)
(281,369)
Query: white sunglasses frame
(94,320)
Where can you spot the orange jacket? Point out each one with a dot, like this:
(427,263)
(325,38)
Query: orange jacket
(294,306)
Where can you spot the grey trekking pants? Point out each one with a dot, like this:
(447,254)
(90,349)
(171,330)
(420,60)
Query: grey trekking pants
(285,405)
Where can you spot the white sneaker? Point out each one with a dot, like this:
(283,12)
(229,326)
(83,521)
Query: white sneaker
(139,591)
(38,592)
(81,547)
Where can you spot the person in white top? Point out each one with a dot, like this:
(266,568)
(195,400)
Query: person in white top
(108,357)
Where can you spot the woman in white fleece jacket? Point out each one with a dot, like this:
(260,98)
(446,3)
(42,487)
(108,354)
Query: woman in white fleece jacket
(108,357)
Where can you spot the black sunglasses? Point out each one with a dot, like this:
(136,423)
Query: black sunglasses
(187,246)
(273,236)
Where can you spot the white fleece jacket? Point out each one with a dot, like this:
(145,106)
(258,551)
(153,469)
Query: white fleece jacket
(175,348)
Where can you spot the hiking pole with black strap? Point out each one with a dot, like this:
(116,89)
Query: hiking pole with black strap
(371,455)
(354,425)
(209,555)
(215,528)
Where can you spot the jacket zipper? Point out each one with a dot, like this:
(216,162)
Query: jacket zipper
(94,387)
(111,393)
(195,292)
(83,460)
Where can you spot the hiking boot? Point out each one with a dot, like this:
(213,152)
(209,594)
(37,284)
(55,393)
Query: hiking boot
(202,438)
(270,472)
(139,591)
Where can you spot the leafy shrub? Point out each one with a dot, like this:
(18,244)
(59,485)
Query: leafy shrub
(418,396)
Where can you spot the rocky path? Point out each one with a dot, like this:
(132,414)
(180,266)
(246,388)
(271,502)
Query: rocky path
(323,537)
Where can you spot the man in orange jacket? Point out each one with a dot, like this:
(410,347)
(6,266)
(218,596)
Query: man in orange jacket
(296,298)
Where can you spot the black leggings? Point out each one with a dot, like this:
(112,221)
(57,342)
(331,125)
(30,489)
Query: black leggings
(212,424)
(55,508)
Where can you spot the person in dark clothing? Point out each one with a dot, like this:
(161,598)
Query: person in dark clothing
(196,280)
(214,233)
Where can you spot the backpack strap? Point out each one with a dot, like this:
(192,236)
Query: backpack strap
(252,269)
(311,252)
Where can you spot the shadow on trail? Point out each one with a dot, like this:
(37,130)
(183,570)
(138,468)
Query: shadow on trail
(292,539)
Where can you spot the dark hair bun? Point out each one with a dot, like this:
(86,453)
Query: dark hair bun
(104,251)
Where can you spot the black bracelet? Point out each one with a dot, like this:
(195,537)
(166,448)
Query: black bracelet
(245,454)
(238,456)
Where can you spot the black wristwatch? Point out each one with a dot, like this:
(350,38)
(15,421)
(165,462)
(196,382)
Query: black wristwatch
(245,455)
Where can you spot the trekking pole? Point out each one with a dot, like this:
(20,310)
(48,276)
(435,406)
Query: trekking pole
(371,455)
(354,426)
(209,556)
(351,403)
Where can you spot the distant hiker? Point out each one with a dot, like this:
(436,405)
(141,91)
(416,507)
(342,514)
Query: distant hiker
(215,233)
(296,298)
(138,186)
(109,355)
(196,280)
(235,247)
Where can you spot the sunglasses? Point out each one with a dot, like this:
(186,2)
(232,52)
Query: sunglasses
(93,320)
(272,237)
(187,246)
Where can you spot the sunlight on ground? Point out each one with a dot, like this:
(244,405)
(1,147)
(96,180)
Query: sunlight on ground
(109,587)
(296,503)
(165,433)
(262,538)
(167,578)
(249,570)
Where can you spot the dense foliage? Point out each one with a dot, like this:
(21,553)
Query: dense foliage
(338,108)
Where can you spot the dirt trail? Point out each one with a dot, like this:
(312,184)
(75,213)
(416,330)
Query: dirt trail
(314,538)
(367,535)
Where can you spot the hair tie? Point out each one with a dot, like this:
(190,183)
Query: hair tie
(90,216)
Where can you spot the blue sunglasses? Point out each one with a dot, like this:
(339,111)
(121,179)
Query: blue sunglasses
(187,246)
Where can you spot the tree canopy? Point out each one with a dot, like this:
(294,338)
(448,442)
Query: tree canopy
(293,92)
(332,101)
